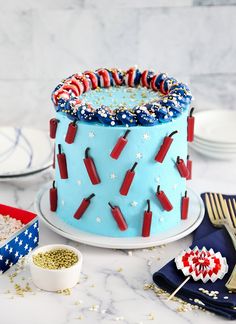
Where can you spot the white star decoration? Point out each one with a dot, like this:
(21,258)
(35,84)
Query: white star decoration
(98,220)
(175,186)
(161,219)
(157,179)
(113,176)
(35,239)
(62,202)
(79,182)
(1,257)
(139,156)
(146,136)
(133,203)
(91,135)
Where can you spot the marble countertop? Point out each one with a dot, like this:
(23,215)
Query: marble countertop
(112,282)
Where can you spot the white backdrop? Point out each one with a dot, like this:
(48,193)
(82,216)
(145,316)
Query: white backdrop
(42,41)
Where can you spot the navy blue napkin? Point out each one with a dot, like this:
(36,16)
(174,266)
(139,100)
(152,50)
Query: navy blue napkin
(169,278)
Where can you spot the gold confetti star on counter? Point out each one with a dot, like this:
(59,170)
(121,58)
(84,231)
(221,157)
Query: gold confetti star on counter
(151,317)
(94,308)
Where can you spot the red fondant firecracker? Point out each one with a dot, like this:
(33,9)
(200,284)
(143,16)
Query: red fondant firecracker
(182,168)
(71,132)
(53,197)
(147,221)
(61,159)
(120,144)
(124,189)
(164,201)
(53,127)
(118,217)
(190,130)
(165,147)
(189,167)
(91,168)
(184,206)
(83,206)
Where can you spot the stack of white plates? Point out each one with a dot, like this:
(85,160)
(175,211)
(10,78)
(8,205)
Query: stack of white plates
(23,152)
(215,134)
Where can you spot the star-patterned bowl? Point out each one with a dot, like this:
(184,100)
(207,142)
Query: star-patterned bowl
(21,242)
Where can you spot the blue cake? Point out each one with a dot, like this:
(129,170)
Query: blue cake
(121,160)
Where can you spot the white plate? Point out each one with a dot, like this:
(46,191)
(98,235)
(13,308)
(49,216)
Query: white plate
(214,146)
(196,214)
(25,176)
(214,149)
(213,154)
(24,151)
(216,126)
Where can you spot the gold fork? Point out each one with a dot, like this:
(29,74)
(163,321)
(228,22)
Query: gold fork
(232,211)
(231,283)
(219,214)
(222,216)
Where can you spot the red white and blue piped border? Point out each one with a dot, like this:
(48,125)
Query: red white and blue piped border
(176,97)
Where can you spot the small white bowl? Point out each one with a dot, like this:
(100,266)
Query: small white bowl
(59,279)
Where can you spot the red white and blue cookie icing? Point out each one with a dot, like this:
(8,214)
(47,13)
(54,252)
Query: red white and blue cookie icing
(172,99)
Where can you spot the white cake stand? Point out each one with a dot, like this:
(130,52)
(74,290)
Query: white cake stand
(196,214)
